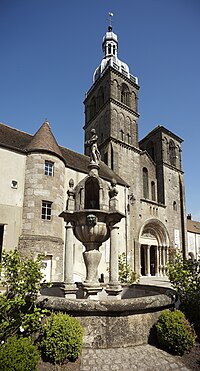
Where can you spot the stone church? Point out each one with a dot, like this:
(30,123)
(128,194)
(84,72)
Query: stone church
(37,173)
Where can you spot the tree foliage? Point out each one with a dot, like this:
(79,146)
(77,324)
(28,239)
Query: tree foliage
(21,280)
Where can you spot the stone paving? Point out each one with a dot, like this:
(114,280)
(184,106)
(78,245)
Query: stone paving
(139,358)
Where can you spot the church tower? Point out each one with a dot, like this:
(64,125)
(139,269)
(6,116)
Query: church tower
(111,107)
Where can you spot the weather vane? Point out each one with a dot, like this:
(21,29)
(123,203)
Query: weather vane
(110,18)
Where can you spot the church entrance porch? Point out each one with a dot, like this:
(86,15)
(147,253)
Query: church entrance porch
(154,249)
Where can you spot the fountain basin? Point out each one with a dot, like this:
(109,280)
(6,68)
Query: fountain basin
(116,323)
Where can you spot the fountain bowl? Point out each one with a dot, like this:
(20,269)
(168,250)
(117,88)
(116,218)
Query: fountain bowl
(128,321)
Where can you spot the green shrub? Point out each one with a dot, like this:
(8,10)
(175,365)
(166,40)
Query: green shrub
(126,275)
(18,354)
(184,275)
(174,332)
(22,280)
(61,338)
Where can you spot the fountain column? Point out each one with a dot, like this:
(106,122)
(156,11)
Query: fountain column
(114,287)
(69,288)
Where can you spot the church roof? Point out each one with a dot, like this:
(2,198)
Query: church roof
(193,227)
(13,138)
(44,140)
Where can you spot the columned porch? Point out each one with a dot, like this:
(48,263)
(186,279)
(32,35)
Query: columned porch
(154,249)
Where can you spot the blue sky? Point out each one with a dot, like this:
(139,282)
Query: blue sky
(49,50)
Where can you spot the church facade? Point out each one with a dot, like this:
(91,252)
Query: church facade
(36,174)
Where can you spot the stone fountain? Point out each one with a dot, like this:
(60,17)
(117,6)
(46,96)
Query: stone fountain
(92,216)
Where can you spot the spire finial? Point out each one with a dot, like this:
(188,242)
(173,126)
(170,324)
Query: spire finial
(110,20)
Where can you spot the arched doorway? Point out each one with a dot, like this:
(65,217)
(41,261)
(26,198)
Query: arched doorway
(154,246)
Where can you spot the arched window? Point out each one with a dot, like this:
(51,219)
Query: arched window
(145,183)
(174,206)
(92,194)
(109,48)
(121,134)
(172,152)
(125,94)
(93,107)
(100,97)
(153,191)
(150,149)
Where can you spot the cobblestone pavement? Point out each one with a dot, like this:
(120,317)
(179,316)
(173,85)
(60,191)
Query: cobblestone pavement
(139,358)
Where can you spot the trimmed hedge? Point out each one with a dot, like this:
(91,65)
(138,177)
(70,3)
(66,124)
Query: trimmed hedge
(61,338)
(174,333)
(18,354)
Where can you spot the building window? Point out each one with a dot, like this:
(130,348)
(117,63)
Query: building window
(153,191)
(174,206)
(46,210)
(125,94)
(48,168)
(172,152)
(145,183)
(122,134)
(128,138)
(93,107)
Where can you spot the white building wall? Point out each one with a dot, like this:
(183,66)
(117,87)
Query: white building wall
(11,196)
(194,244)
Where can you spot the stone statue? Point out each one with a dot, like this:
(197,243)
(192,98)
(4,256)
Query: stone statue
(92,143)
(71,196)
(113,192)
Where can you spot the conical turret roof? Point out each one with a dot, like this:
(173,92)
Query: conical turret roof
(44,140)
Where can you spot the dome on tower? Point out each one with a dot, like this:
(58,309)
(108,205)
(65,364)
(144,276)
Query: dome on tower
(110,49)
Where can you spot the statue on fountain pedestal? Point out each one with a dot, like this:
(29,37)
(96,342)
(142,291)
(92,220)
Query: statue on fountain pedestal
(94,152)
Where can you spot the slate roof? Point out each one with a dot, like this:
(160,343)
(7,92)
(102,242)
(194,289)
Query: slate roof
(193,226)
(44,140)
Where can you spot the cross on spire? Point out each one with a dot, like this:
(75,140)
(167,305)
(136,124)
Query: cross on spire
(110,20)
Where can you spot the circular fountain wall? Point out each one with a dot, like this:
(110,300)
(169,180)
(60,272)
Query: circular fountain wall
(108,323)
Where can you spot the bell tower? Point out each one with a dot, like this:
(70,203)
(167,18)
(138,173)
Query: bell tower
(111,107)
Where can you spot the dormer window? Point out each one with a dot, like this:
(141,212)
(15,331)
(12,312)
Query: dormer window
(48,168)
